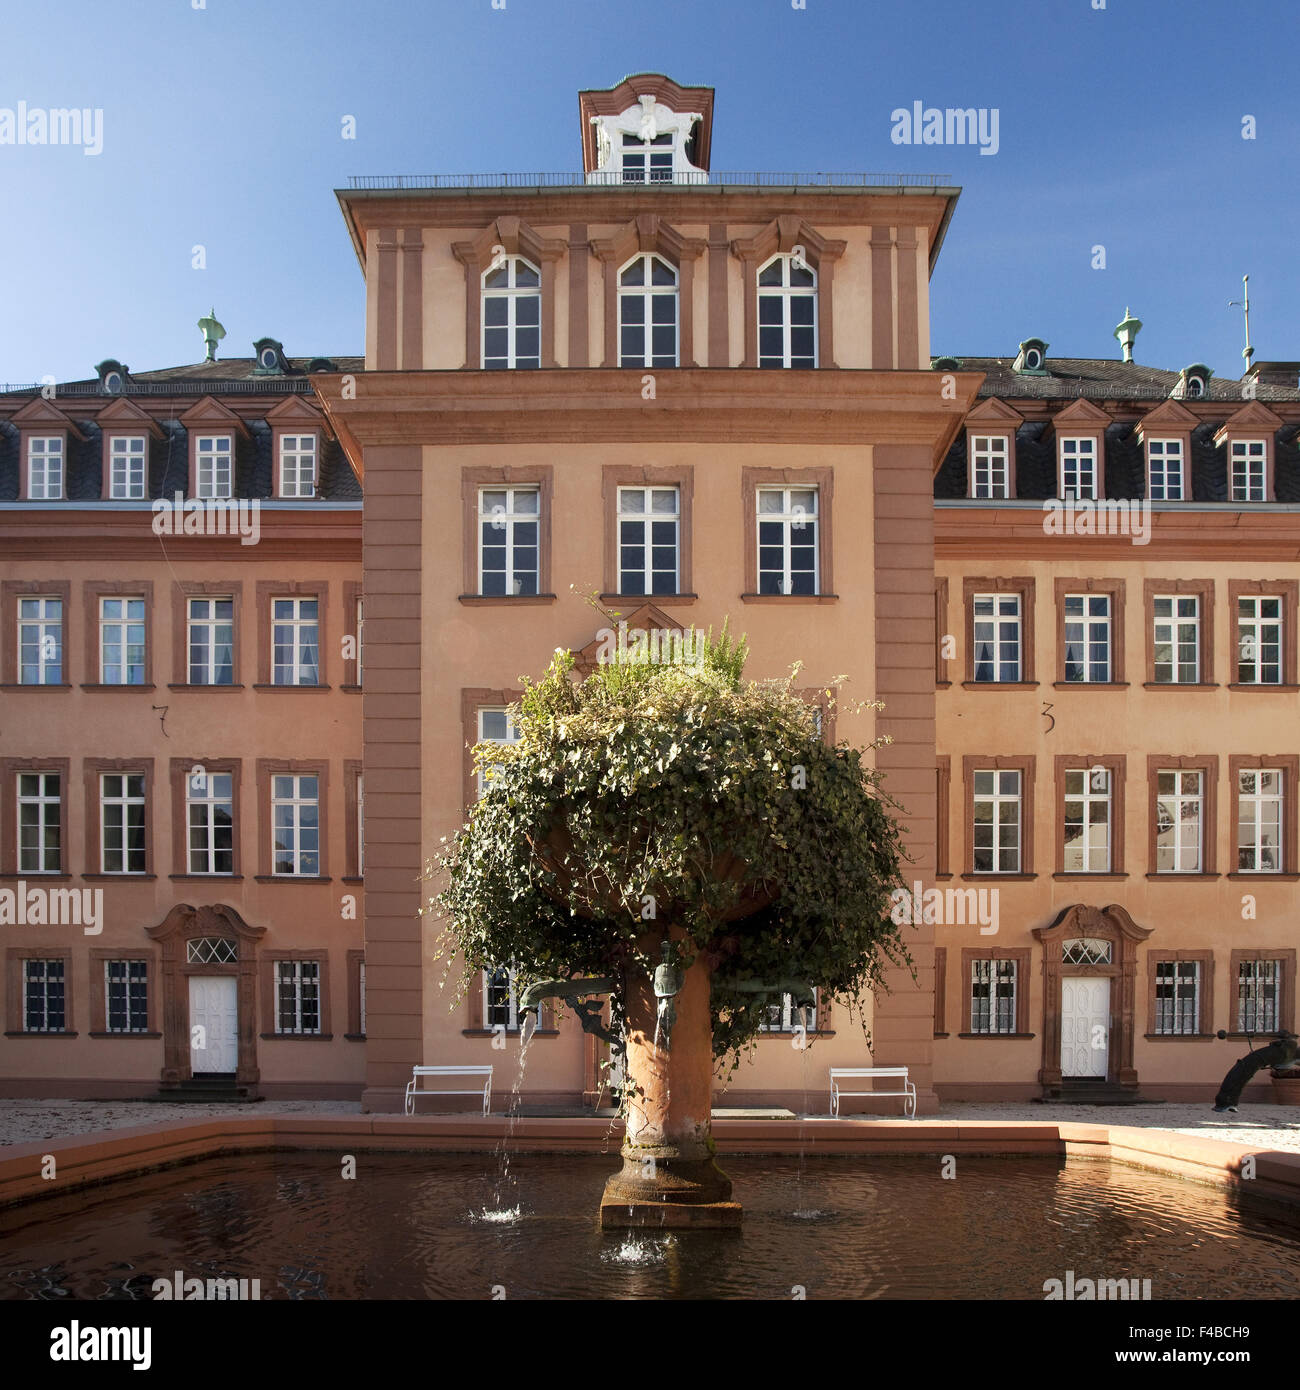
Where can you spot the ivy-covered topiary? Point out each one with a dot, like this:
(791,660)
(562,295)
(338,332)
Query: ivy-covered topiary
(652,795)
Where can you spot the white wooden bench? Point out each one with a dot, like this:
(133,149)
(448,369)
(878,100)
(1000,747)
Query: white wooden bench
(839,1074)
(413,1088)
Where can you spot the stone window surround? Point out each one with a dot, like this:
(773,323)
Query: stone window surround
(1207,764)
(1008,437)
(92,770)
(188,588)
(473,699)
(11,590)
(517,238)
(353,770)
(267,962)
(92,590)
(1021,957)
(1205,994)
(1286,999)
(940,991)
(1115,590)
(943,802)
(271,589)
(1025,765)
(472,481)
(1019,584)
(179,774)
(354,666)
(267,768)
(1165,588)
(1290,766)
(9,770)
(1117,765)
(15,1012)
(98,986)
(355,960)
(682,477)
(1287,590)
(823,479)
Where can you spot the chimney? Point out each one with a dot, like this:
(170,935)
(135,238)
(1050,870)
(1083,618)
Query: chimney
(1126,331)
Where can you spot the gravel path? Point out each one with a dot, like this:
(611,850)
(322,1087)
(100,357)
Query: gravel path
(1274,1126)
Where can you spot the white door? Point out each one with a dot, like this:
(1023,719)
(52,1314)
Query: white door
(1085,1026)
(214,1022)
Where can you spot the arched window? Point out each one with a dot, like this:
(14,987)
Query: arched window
(787,313)
(512,314)
(647,313)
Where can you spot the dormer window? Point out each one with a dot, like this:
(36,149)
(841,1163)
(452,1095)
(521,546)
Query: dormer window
(297,465)
(45,468)
(112,377)
(647,161)
(214,466)
(1079,468)
(647,313)
(1249,470)
(787,313)
(512,314)
(126,461)
(1032,358)
(1165,470)
(989,473)
(269,358)
(1193,382)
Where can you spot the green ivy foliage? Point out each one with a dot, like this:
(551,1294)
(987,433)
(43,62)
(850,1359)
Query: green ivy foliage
(676,794)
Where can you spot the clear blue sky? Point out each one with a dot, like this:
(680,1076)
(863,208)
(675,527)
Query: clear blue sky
(1119,127)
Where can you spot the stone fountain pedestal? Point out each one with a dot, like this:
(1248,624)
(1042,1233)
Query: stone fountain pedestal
(669,1180)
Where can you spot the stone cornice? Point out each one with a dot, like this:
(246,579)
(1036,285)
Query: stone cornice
(606,404)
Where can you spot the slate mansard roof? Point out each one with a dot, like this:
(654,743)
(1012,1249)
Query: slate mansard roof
(1128,392)
(166,395)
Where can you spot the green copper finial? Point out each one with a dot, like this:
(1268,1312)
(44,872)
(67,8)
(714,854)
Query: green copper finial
(1126,332)
(213,333)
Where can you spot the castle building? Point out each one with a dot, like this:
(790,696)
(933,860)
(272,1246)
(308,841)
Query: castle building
(237,703)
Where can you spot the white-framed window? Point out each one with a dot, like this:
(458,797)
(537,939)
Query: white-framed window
(995,835)
(1249,470)
(993,985)
(45,468)
(1165,470)
(1087,811)
(787,540)
(786,1016)
(494,726)
(1178,997)
(40,830)
(501,999)
(1259,639)
(1177,639)
(121,641)
(1180,798)
(44,996)
(295,819)
(1087,950)
(211,950)
(997,629)
(214,465)
(126,996)
(648,530)
(1259,820)
(990,475)
(210,820)
(787,313)
(211,641)
(509,528)
(298,465)
(297,996)
(647,161)
(121,823)
(647,312)
(126,463)
(40,641)
(512,314)
(1087,638)
(1259,989)
(1079,468)
(295,641)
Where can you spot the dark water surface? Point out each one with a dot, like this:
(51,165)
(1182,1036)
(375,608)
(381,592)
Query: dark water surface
(413,1227)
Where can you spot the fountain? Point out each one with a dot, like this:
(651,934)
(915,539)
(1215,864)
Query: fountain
(684,843)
